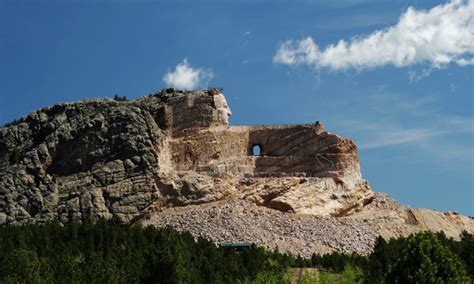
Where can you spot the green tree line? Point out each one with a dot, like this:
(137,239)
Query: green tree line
(110,252)
(424,257)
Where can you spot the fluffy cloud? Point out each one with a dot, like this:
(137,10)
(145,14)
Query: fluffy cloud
(185,77)
(439,36)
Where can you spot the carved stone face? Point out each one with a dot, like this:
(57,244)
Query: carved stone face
(223,110)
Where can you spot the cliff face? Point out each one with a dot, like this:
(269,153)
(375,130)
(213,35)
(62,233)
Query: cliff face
(135,159)
(88,159)
(105,158)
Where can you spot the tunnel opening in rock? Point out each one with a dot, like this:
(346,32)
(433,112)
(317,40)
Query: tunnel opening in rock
(256,150)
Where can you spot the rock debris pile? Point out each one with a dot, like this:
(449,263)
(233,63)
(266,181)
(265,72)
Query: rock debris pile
(242,221)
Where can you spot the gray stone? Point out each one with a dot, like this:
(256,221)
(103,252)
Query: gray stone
(134,160)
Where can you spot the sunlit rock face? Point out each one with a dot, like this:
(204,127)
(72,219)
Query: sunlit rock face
(222,107)
(104,158)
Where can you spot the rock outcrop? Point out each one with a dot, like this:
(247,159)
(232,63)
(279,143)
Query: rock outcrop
(137,160)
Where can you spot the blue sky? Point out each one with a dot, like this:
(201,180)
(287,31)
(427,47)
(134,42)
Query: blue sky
(397,80)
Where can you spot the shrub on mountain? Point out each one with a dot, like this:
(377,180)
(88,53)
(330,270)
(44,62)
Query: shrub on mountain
(424,259)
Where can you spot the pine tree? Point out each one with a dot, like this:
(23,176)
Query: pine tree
(424,259)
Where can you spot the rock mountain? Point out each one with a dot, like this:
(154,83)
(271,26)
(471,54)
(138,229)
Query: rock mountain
(172,159)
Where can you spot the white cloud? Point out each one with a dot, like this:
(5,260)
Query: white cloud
(464,61)
(446,142)
(439,36)
(185,77)
(401,136)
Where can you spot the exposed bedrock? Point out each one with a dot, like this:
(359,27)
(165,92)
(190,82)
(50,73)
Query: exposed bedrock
(103,158)
(135,159)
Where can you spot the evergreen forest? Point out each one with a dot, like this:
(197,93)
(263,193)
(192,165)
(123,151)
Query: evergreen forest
(111,252)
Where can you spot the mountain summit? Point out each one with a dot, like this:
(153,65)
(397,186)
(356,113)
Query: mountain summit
(172,158)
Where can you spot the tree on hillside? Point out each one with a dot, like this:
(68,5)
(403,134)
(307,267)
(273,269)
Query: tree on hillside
(424,259)
(467,251)
(20,266)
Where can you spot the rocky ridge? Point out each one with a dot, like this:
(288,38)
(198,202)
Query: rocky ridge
(169,156)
